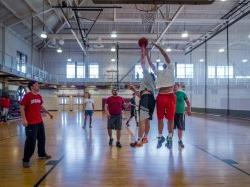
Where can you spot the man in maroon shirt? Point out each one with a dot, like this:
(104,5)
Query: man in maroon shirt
(31,107)
(5,104)
(113,108)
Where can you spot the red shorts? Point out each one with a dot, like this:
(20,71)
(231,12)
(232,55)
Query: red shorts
(165,105)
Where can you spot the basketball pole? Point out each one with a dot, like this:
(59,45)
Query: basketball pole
(117,65)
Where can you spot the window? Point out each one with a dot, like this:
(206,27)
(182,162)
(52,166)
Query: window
(180,70)
(21,91)
(184,70)
(80,71)
(211,72)
(224,71)
(93,71)
(138,71)
(71,73)
(63,100)
(21,60)
(160,66)
(220,72)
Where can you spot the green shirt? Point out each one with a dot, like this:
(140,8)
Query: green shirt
(180,101)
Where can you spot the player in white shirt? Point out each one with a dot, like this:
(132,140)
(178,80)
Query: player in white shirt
(166,99)
(88,106)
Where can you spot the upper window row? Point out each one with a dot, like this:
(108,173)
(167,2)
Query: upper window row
(187,71)
(78,70)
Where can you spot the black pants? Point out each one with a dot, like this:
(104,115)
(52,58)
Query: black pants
(34,132)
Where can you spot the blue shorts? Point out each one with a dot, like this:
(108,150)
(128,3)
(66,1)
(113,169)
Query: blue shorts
(88,112)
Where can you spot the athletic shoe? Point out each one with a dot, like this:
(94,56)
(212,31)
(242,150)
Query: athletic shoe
(181,145)
(90,126)
(26,164)
(160,141)
(118,144)
(145,140)
(136,144)
(45,157)
(110,141)
(169,142)
(127,124)
(137,124)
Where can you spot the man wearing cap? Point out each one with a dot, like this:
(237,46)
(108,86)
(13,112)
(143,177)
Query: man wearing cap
(31,107)
(113,109)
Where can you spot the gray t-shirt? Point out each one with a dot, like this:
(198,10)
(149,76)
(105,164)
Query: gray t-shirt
(147,82)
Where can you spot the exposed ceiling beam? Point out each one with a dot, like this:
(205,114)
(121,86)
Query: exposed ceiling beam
(129,41)
(74,34)
(18,16)
(28,17)
(131,50)
(50,38)
(10,9)
(76,2)
(82,2)
(159,38)
(169,25)
(56,11)
(33,9)
(196,21)
(124,36)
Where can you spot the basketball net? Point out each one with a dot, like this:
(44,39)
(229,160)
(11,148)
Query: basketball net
(148,12)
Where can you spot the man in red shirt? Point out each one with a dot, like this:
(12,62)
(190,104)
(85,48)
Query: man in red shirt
(5,103)
(113,108)
(31,107)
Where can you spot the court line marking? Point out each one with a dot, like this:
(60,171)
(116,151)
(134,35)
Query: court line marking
(222,160)
(47,173)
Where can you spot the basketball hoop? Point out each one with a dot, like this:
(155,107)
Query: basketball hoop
(148,12)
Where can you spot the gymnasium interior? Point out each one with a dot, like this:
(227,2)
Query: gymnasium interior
(71,47)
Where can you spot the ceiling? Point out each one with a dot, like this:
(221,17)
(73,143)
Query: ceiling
(129,22)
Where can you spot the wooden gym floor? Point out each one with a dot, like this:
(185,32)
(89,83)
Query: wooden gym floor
(217,154)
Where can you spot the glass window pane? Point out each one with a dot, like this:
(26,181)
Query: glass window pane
(21,61)
(160,66)
(94,71)
(138,72)
(231,71)
(220,71)
(184,70)
(211,72)
(80,71)
(70,71)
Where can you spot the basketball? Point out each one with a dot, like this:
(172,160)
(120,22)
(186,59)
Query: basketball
(143,42)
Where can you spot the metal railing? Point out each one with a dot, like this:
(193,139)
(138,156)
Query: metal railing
(10,65)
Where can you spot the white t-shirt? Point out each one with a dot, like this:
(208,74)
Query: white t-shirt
(165,78)
(89,104)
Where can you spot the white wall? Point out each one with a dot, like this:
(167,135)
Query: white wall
(52,98)
(14,43)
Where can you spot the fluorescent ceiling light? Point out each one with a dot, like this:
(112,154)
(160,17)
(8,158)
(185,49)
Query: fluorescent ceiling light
(113,49)
(168,49)
(113,34)
(244,60)
(112,60)
(158,60)
(201,60)
(221,50)
(59,50)
(43,35)
(69,59)
(184,34)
